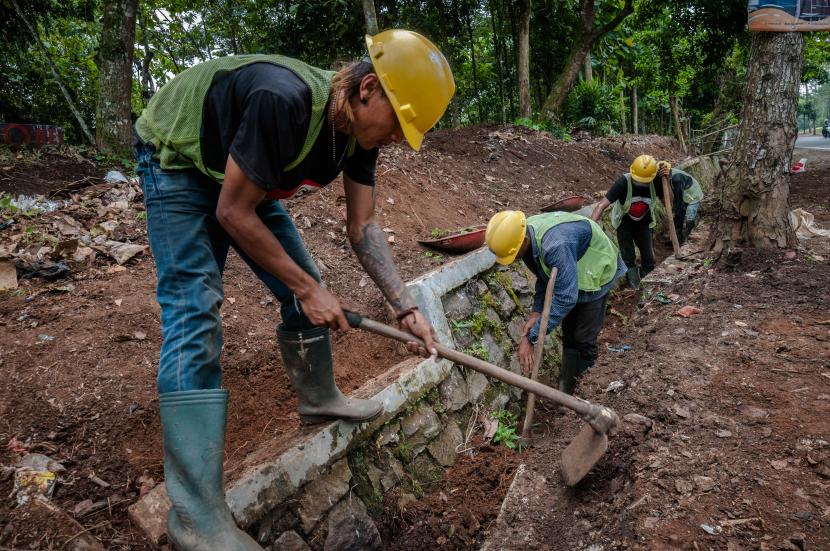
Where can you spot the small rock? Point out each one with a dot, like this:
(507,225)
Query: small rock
(443,448)
(476,385)
(683,486)
(703,483)
(641,421)
(423,420)
(779,464)
(457,305)
(681,411)
(322,493)
(799,540)
(350,528)
(754,412)
(803,515)
(723,434)
(290,541)
(514,328)
(650,523)
(495,353)
(453,391)
(82,507)
(389,434)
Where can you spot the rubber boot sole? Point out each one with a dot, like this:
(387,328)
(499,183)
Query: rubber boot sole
(318,419)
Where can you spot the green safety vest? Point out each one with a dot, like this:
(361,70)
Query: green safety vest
(692,194)
(619,210)
(597,266)
(172,121)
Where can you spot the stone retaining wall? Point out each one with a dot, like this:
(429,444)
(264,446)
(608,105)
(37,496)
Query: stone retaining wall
(411,450)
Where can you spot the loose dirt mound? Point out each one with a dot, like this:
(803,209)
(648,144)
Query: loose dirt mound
(78,356)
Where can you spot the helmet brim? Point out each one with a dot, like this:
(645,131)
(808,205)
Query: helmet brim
(641,179)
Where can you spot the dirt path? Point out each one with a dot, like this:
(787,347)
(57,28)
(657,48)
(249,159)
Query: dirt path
(732,450)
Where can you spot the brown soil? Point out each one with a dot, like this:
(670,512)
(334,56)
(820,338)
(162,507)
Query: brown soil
(459,510)
(88,398)
(739,398)
(46,171)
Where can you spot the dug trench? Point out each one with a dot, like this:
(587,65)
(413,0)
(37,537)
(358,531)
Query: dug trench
(79,355)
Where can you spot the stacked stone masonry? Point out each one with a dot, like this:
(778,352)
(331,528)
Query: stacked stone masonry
(337,511)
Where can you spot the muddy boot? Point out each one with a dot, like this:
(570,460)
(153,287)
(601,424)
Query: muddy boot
(193,427)
(307,359)
(632,276)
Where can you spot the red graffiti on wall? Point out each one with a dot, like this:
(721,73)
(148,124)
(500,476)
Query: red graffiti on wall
(31,135)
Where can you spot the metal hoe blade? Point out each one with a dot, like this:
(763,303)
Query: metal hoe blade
(582,454)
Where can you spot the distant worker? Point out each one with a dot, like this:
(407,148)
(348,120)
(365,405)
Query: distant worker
(217,147)
(588,266)
(636,210)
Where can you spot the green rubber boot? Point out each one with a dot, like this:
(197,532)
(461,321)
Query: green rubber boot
(307,359)
(193,427)
(573,366)
(633,277)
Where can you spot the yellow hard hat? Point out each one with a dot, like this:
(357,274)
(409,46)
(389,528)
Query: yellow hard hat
(644,169)
(416,78)
(505,234)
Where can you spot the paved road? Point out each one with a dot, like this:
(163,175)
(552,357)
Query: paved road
(809,141)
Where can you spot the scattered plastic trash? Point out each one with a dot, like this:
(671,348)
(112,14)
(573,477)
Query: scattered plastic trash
(663,299)
(6,223)
(45,338)
(115,177)
(50,271)
(614,386)
(29,483)
(35,204)
(688,311)
(618,348)
(800,166)
(712,530)
(804,225)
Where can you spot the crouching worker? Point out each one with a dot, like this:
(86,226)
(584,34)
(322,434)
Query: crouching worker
(588,266)
(217,147)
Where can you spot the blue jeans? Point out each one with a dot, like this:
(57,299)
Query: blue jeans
(190,248)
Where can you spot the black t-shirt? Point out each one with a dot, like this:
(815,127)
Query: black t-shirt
(639,193)
(260,114)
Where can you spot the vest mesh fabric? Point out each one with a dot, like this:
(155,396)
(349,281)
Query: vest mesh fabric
(597,266)
(172,120)
(619,210)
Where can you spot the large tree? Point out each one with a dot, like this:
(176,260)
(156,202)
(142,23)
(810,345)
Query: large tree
(115,64)
(523,57)
(754,201)
(586,34)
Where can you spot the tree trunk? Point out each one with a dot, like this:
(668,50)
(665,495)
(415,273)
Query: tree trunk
(585,37)
(371,17)
(498,53)
(678,128)
(635,112)
(589,67)
(69,101)
(475,70)
(622,111)
(523,58)
(115,60)
(754,201)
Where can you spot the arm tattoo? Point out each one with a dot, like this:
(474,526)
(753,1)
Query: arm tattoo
(376,257)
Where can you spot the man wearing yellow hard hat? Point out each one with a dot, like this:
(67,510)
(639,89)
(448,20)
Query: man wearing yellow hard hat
(588,266)
(636,210)
(217,147)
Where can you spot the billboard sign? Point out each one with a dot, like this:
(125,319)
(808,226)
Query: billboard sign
(789,15)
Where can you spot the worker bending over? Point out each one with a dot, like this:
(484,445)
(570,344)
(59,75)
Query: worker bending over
(588,266)
(636,210)
(217,147)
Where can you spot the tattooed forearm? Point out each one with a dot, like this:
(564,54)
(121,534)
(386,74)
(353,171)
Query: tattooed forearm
(376,257)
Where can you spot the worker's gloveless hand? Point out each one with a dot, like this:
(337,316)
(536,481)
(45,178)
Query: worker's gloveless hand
(531,321)
(323,308)
(418,325)
(664,170)
(525,355)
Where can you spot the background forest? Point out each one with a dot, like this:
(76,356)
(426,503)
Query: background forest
(606,66)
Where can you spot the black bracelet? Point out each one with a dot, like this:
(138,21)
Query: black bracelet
(405,313)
